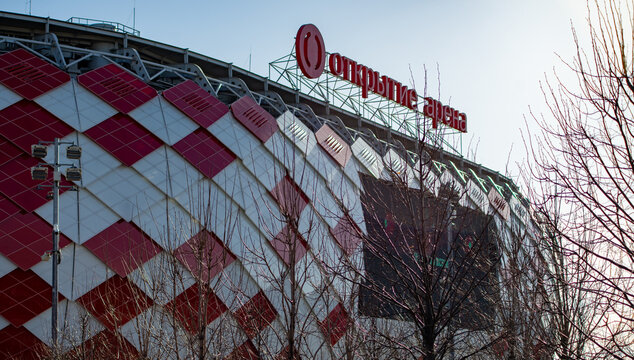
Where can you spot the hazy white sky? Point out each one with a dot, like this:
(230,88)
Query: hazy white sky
(492,54)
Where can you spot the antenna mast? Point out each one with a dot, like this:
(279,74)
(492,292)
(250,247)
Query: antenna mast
(133,14)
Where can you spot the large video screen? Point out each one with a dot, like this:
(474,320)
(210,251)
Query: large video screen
(422,248)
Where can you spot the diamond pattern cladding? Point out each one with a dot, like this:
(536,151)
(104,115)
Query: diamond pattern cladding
(76,106)
(28,75)
(205,152)
(19,343)
(156,278)
(25,123)
(291,198)
(116,86)
(257,120)
(8,151)
(125,192)
(79,272)
(105,345)
(185,307)
(124,138)
(23,295)
(115,302)
(94,216)
(7,97)
(256,314)
(334,326)
(163,120)
(204,255)
(25,237)
(123,247)
(196,103)
(347,234)
(334,145)
(137,148)
(17,185)
(289,245)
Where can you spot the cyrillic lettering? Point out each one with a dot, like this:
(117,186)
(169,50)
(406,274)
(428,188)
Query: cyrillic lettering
(353,72)
(346,67)
(371,80)
(389,87)
(412,99)
(364,81)
(401,94)
(335,64)
(382,88)
(447,112)
(462,122)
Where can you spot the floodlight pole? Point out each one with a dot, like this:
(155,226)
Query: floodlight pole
(55,252)
(72,152)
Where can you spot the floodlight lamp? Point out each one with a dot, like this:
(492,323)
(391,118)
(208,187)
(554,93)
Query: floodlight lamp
(38,151)
(39,172)
(73,174)
(73,152)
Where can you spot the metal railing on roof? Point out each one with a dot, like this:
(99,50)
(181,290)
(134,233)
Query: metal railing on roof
(220,87)
(106,25)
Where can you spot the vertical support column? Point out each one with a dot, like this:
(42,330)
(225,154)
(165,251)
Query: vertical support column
(55,252)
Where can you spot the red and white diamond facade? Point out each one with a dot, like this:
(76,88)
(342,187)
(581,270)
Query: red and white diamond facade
(211,218)
(189,215)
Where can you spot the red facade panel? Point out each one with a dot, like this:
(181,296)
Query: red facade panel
(334,145)
(289,245)
(256,314)
(7,208)
(25,123)
(116,86)
(115,302)
(19,343)
(195,307)
(28,75)
(196,103)
(290,197)
(123,247)
(204,255)
(347,234)
(257,120)
(246,351)
(25,237)
(17,185)
(124,138)
(105,345)
(23,296)
(205,152)
(334,326)
(286,353)
(8,151)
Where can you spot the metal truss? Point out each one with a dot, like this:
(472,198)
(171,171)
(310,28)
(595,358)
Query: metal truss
(347,96)
(161,76)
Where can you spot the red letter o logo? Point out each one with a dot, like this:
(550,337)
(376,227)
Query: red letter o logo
(310,51)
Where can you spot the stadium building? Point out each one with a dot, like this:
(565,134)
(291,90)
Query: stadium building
(215,207)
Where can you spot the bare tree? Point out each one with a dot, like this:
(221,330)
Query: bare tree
(431,263)
(584,154)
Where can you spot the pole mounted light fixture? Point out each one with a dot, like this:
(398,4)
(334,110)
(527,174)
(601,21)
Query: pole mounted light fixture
(73,152)
(39,151)
(73,174)
(40,172)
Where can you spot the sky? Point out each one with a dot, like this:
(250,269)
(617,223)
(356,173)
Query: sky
(491,55)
